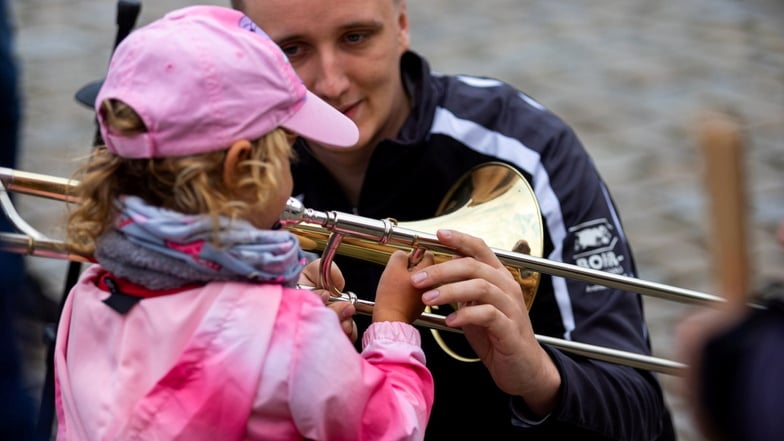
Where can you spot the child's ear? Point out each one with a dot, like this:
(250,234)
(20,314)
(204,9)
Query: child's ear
(238,152)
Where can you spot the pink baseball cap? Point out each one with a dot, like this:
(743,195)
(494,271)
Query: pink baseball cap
(203,77)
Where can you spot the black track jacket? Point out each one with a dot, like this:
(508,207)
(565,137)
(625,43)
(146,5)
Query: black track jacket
(456,123)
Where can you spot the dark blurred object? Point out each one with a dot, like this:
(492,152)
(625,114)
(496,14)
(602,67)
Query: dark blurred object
(16,407)
(740,387)
(32,302)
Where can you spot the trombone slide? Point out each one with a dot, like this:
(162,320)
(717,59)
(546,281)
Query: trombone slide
(377,239)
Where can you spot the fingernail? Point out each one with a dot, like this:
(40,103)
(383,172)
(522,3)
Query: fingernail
(450,318)
(429,296)
(446,233)
(418,277)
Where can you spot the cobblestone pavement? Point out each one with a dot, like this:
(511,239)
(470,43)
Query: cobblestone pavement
(631,76)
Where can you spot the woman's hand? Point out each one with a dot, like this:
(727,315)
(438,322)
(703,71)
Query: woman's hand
(493,315)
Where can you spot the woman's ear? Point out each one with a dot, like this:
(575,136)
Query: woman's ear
(238,152)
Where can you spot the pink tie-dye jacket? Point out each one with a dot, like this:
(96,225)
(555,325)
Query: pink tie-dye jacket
(232,361)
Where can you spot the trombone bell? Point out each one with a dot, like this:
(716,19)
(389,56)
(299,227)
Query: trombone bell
(492,201)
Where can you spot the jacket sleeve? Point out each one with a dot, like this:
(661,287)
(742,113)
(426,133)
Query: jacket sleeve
(583,227)
(385,393)
(592,399)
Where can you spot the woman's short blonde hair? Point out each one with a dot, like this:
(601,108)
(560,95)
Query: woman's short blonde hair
(188,184)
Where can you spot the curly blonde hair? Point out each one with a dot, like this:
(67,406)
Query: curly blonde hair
(189,184)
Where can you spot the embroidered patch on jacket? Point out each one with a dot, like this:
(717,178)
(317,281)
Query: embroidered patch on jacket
(594,246)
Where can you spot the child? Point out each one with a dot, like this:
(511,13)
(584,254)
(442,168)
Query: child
(189,327)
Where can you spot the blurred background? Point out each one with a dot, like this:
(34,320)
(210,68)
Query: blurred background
(632,77)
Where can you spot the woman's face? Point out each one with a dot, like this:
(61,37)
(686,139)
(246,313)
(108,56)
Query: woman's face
(348,53)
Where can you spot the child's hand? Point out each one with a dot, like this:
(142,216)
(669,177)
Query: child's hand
(396,298)
(310,275)
(344,310)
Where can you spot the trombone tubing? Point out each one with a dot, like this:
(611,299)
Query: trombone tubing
(21,244)
(385,232)
(625,358)
(382,231)
(18,243)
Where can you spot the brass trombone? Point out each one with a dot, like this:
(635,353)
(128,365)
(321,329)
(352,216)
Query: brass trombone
(490,190)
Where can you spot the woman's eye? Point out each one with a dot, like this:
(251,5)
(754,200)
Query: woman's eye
(355,38)
(290,51)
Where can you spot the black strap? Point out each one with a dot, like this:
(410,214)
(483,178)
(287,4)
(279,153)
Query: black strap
(118,300)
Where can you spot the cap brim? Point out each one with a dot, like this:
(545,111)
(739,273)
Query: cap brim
(87,94)
(318,121)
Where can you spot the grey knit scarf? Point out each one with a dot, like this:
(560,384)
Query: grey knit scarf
(163,249)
